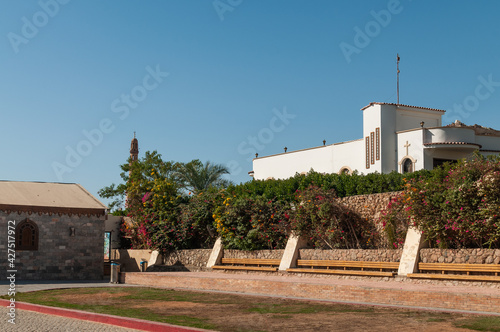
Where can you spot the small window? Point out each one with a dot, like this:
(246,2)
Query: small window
(27,235)
(345,170)
(407,166)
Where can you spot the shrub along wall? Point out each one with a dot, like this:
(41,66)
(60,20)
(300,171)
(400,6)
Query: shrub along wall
(470,256)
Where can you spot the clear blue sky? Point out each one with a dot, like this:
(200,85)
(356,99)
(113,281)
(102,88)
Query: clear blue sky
(101,67)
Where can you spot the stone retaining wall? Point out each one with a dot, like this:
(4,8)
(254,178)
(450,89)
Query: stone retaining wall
(371,255)
(369,206)
(470,256)
(265,254)
(192,257)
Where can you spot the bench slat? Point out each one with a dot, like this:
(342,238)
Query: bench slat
(251,261)
(453,276)
(344,264)
(459,267)
(251,268)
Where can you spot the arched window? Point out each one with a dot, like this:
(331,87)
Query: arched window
(27,235)
(345,170)
(407,166)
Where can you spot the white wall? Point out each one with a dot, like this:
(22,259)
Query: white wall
(449,134)
(410,118)
(285,165)
(372,118)
(488,142)
(415,150)
(389,140)
(350,154)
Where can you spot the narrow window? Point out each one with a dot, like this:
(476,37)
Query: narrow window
(27,235)
(367,149)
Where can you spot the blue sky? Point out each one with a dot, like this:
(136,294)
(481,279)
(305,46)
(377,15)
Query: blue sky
(220,80)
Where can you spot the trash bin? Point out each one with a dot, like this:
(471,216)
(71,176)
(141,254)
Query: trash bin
(144,266)
(115,273)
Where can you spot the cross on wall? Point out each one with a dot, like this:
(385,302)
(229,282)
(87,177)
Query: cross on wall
(407,145)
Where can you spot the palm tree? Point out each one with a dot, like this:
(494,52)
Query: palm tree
(196,176)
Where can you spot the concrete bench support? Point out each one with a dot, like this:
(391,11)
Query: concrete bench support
(216,255)
(291,253)
(410,256)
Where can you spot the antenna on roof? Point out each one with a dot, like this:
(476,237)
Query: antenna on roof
(397,66)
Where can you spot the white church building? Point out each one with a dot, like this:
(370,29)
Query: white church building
(396,137)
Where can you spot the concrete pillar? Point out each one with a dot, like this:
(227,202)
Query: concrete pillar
(155,258)
(410,256)
(291,253)
(216,255)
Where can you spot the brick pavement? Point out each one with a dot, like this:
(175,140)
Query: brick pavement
(38,322)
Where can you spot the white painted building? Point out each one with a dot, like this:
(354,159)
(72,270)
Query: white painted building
(396,137)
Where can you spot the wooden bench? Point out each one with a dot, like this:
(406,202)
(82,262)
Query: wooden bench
(346,267)
(493,271)
(252,264)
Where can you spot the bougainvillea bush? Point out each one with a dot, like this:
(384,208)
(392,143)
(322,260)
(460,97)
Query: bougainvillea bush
(320,218)
(395,221)
(457,207)
(252,223)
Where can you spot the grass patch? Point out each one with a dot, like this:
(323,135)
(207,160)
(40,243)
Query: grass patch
(303,308)
(230,312)
(486,323)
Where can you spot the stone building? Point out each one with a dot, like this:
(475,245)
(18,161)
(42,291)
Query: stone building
(396,137)
(57,230)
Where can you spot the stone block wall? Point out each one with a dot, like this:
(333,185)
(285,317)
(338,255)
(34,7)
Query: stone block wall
(59,255)
(469,256)
(261,254)
(369,206)
(371,255)
(190,258)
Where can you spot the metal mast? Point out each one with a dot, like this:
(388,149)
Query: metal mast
(397,66)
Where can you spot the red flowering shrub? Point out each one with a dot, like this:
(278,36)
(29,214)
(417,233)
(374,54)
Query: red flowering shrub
(457,207)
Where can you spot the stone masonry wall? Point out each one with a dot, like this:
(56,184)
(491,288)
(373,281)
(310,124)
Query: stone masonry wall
(59,255)
(262,254)
(371,255)
(369,206)
(193,257)
(470,256)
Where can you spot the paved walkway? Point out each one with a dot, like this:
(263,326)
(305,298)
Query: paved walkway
(37,318)
(38,322)
(37,285)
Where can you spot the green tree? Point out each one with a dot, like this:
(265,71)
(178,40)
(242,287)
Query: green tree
(198,177)
(137,178)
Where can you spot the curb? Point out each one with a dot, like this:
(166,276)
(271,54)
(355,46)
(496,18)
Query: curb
(132,323)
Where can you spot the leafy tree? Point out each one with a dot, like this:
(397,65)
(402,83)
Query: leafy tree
(137,177)
(198,177)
